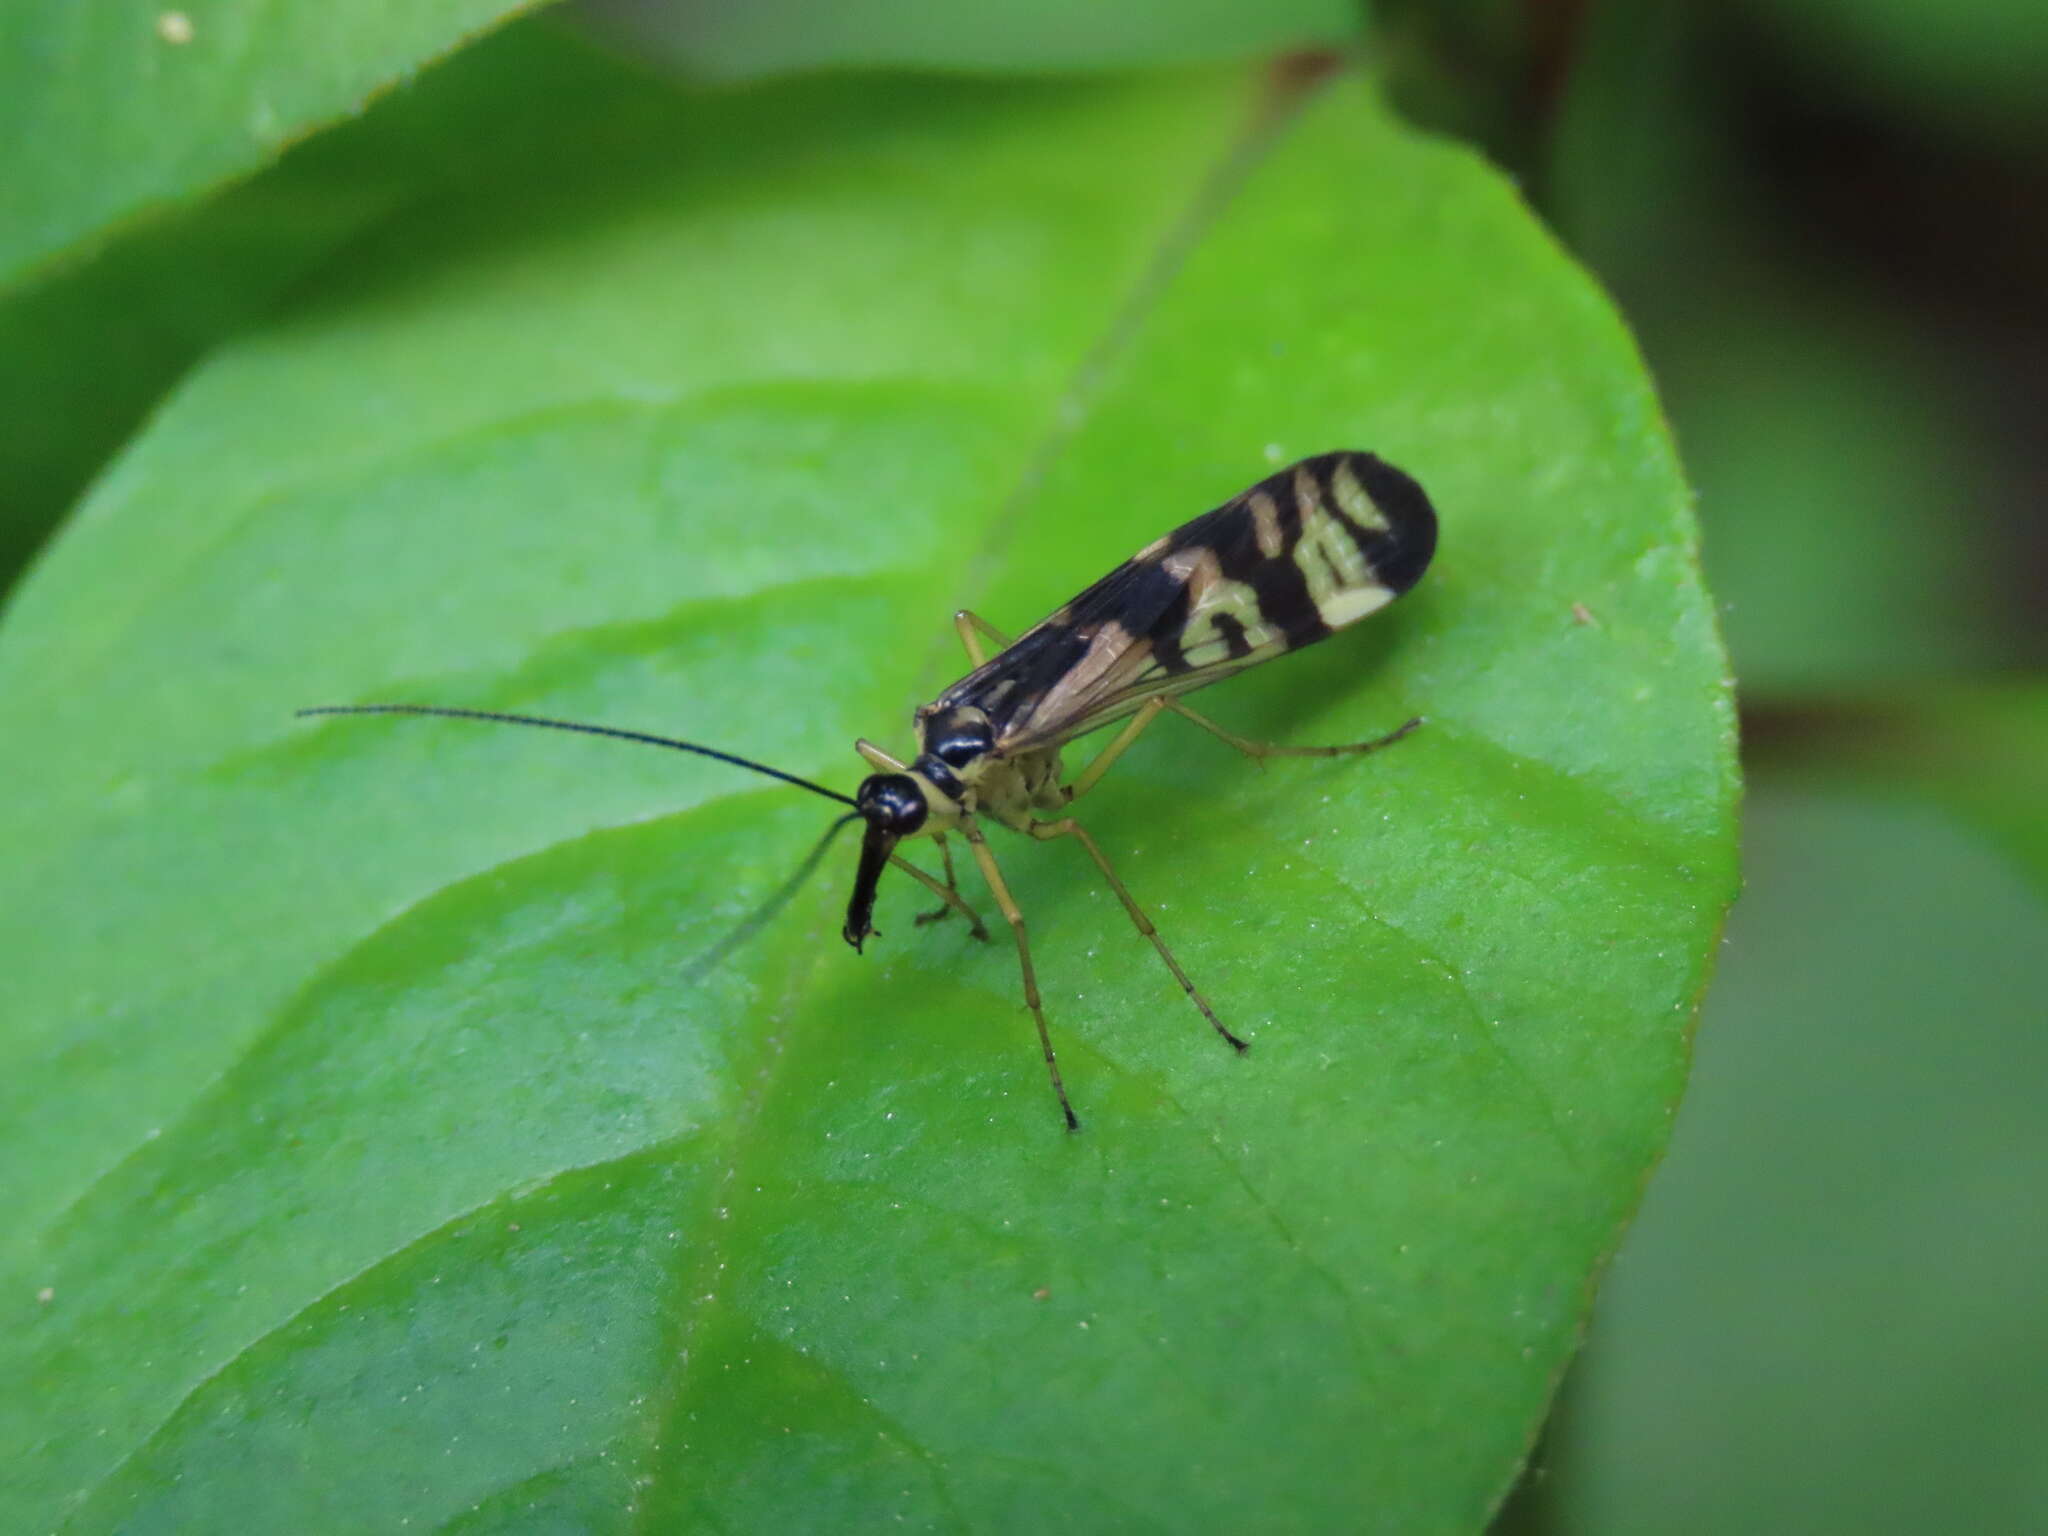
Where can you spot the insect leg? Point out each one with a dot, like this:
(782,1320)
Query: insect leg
(1259,749)
(1092,774)
(1001,892)
(1045,831)
(948,893)
(946,855)
(876,757)
(966,623)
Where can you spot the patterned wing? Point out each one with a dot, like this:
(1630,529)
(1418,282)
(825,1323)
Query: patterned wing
(1300,555)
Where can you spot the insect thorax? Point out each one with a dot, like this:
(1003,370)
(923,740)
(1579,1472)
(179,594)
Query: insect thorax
(959,760)
(1011,788)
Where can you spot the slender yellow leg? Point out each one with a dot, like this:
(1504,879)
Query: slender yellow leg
(963,626)
(1259,749)
(1045,831)
(946,893)
(972,629)
(1151,709)
(876,757)
(1090,776)
(994,876)
(953,902)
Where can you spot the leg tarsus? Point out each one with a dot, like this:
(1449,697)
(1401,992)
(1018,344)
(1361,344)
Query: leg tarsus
(1258,751)
(946,893)
(1046,831)
(1001,891)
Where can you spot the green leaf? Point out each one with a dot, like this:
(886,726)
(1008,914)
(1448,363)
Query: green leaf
(1829,1316)
(766,37)
(364,1100)
(110,110)
(87,348)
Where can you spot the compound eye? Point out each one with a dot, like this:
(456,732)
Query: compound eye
(893,802)
(964,745)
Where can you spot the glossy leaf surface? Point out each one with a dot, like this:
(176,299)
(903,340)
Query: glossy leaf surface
(368,1102)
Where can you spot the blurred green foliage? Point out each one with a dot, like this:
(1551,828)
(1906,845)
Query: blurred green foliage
(1817,213)
(1828,1317)
(1849,469)
(776,37)
(1971,64)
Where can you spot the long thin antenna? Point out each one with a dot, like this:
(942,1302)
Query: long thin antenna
(770,909)
(573,725)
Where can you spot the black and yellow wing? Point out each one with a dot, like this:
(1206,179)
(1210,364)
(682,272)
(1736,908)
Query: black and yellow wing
(1301,555)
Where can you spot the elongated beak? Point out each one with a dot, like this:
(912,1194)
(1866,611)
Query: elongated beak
(875,849)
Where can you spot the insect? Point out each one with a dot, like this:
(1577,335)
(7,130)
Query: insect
(1304,553)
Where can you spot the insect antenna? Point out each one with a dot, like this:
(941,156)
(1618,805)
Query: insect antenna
(770,909)
(497,717)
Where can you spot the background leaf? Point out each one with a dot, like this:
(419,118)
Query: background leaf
(778,36)
(364,1104)
(1975,64)
(1825,1318)
(1847,463)
(1822,218)
(88,347)
(1974,751)
(118,108)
